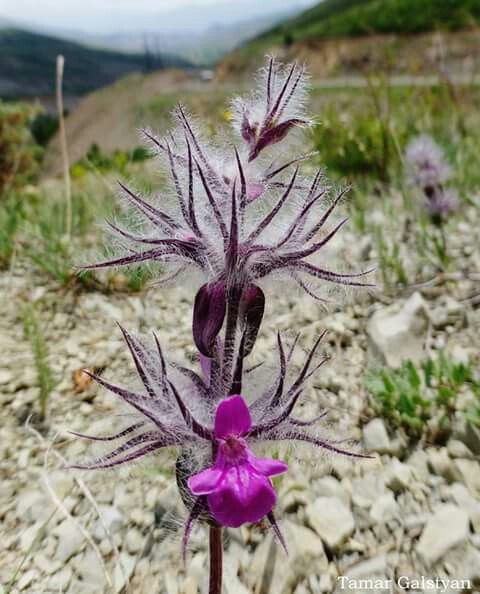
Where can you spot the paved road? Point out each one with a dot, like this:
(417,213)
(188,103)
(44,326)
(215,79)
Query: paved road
(396,81)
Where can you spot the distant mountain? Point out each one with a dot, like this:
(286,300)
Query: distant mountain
(201,46)
(347,18)
(27,65)
(347,36)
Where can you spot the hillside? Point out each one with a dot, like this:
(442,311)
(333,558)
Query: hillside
(346,18)
(111,117)
(362,30)
(27,65)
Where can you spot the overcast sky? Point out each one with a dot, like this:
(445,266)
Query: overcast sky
(107,16)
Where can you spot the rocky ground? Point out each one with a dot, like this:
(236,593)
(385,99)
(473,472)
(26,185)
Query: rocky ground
(414,510)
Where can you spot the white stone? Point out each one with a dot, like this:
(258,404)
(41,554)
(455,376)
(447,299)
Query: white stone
(70,540)
(472,438)
(464,500)
(469,472)
(375,437)
(305,553)
(329,486)
(123,572)
(89,568)
(446,528)
(6,377)
(384,508)
(418,461)
(61,482)
(60,581)
(462,355)
(110,519)
(470,567)
(171,582)
(440,463)
(136,516)
(325,583)
(45,565)
(29,535)
(27,578)
(395,336)
(457,449)
(134,541)
(371,567)
(190,586)
(398,476)
(34,506)
(331,519)
(105,547)
(365,490)
(232,583)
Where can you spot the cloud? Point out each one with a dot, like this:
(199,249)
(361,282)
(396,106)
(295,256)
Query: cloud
(61,8)
(137,15)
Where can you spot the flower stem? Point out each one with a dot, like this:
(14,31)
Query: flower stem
(230,337)
(63,146)
(216,560)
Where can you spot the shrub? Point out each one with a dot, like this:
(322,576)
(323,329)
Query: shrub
(19,153)
(350,142)
(421,400)
(44,127)
(118,161)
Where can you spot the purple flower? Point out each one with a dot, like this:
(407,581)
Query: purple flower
(440,203)
(234,243)
(237,485)
(428,170)
(277,106)
(237,222)
(230,243)
(213,430)
(236,231)
(426,165)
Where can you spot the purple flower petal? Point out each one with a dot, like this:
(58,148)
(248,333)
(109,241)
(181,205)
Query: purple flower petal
(243,496)
(232,418)
(205,482)
(237,486)
(274,135)
(208,315)
(267,466)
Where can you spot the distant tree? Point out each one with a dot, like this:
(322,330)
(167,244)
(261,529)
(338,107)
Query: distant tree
(148,56)
(153,55)
(288,39)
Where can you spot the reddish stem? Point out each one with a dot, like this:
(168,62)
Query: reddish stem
(216,560)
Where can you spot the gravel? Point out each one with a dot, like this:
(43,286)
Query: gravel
(413,509)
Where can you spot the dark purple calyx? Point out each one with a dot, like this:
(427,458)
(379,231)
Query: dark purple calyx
(208,315)
(252,308)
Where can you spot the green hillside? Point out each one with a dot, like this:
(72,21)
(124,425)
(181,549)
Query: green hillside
(345,18)
(27,65)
